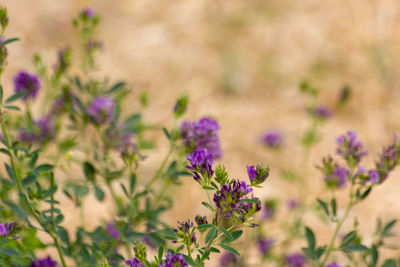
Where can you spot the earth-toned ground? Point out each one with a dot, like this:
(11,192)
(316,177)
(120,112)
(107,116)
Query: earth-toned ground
(241,62)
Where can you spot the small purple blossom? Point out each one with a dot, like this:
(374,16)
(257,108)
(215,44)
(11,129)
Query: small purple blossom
(264,245)
(373,177)
(202,134)
(333,264)
(101,110)
(112,230)
(295,260)
(273,139)
(42,130)
(25,82)
(292,203)
(43,262)
(88,12)
(350,148)
(257,174)
(173,260)
(335,175)
(201,162)
(121,140)
(3,230)
(227,258)
(133,262)
(321,112)
(201,220)
(388,159)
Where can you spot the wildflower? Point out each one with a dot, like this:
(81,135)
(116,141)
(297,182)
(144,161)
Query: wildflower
(233,205)
(258,174)
(173,260)
(334,174)
(119,139)
(333,264)
(3,230)
(133,262)
(292,203)
(41,131)
(112,230)
(186,232)
(273,139)
(227,258)
(88,12)
(264,245)
(321,112)
(373,177)
(269,209)
(28,83)
(201,163)
(101,110)
(201,220)
(295,260)
(43,262)
(202,134)
(388,159)
(351,149)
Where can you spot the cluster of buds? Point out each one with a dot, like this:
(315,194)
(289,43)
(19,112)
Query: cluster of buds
(388,159)
(10,230)
(101,110)
(201,165)
(186,233)
(257,174)
(39,132)
(174,260)
(335,175)
(351,149)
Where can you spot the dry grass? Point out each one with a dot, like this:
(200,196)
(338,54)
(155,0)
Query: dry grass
(241,62)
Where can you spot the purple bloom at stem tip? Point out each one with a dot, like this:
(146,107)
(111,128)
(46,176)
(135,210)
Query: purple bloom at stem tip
(273,139)
(295,260)
(112,230)
(25,82)
(43,262)
(133,262)
(101,110)
(264,245)
(3,230)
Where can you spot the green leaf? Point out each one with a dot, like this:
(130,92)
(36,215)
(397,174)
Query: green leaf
(366,193)
(333,206)
(211,234)
(132,183)
(207,205)
(250,200)
(389,263)
(215,250)
(166,133)
(124,189)
(89,171)
(230,249)
(227,234)
(388,226)
(80,190)
(63,235)
(324,206)
(43,168)
(10,40)
(204,226)
(310,238)
(209,188)
(1,94)
(15,97)
(17,210)
(116,87)
(99,193)
(235,235)
(29,179)
(10,107)
(348,238)
(9,252)
(355,247)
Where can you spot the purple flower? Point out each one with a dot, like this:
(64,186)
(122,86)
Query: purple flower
(335,175)
(202,134)
(101,110)
(373,177)
(333,264)
(292,203)
(43,262)
(25,82)
(388,159)
(3,230)
(42,130)
(321,112)
(350,148)
(133,262)
(227,258)
(201,162)
(273,139)
(112,230)
(295,260)
(121,140)
(264,245)
(88,12)
(258,174)
(201,220)
(173,260)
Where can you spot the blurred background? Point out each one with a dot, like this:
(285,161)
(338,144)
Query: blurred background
(241,62)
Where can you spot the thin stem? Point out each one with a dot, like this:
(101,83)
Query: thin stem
(157,175)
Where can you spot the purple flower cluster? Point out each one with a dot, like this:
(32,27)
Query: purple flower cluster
(133,262)
(43,262)
(88,13)
(232,204)
(201,164)
(42,130)
(25,82)
(350,148)
(333,264)
(273,139)
(10,229)
(321,112)
(101,110)
(257,174)
(388,159)
(227,258)
(121,141)
(112,230)
(295,260)
(264,245)
(335,175)
(201,220)
(173,260)
(202,134)
(186,232)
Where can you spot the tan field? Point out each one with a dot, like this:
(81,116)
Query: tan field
(241,62)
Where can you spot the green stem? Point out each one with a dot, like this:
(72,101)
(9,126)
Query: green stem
(160,169)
